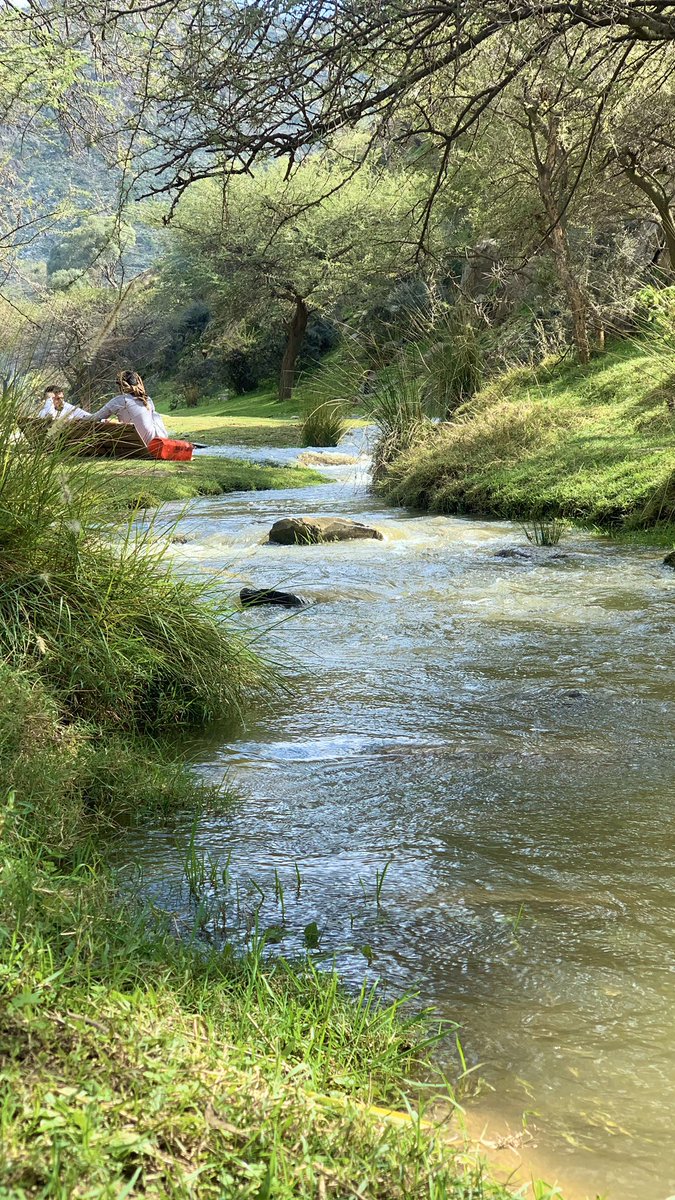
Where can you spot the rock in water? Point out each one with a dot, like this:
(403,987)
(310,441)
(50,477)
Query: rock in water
(669,560)
(514,552)
(253,597)
(298,531)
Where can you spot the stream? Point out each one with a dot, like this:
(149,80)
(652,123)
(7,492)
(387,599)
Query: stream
(496,732)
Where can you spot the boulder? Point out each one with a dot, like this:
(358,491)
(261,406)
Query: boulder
(669,560)
(253,597)
(293,531)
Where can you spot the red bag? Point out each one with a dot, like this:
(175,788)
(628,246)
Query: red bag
(170,448)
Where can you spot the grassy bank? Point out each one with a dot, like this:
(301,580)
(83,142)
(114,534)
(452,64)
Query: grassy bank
(594,444)
(147,485)
(131,1063)
(256,419)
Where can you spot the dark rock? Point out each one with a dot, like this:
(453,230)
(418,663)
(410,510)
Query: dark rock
(294,531)
(253,597)
(573,694)
(514,552)
(669,560)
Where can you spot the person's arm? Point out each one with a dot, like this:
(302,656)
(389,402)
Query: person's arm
(109,410)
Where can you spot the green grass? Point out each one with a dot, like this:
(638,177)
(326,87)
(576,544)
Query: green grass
(259,418)
(256,419)
(324,425)
(595,445)
(134,1064)
(126,485)
(116,637)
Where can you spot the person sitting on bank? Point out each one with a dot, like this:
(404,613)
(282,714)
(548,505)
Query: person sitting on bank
(55,407)
(133,406)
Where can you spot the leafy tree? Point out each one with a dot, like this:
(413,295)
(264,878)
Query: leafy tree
(94,248)
(267,251)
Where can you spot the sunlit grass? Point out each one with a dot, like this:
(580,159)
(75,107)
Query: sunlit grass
(595,445)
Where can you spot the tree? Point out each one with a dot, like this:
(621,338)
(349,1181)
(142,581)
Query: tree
(94,249)
(222,86)
(265,250)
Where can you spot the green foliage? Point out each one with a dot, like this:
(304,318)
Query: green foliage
(544,533)
(453,361)
(397,408)
(655,311)
(94,247)
(117,637)
(594,445)
(134,485)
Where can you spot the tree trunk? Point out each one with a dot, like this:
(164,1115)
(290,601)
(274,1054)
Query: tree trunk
(655,191)
(575,295)
(552,169)
(296,334)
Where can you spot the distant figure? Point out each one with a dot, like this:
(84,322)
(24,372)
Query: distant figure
(56,408)
(133,406)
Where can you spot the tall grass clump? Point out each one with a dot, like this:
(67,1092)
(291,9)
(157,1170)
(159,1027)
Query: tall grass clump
(453,353)
(397,409)
(542,532)
(98,616)
(324,425)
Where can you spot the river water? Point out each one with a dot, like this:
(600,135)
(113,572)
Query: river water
(499,730)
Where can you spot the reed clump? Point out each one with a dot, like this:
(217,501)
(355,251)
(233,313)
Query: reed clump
(324,425)
(397,409)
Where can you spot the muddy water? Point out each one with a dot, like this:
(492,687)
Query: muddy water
(500,731)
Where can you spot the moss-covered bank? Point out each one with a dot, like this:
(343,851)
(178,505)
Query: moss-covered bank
(595,445)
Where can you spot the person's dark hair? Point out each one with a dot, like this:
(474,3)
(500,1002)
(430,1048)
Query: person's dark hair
(131,384)
(54,389)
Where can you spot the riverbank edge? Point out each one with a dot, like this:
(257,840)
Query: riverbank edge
(591,446)
(128,485)
(133,1059)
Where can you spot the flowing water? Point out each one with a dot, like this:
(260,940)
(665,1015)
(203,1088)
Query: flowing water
(499,730)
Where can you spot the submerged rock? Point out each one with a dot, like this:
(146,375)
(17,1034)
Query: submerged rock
(669,560)
(294,531)
(514,552)
(253,597)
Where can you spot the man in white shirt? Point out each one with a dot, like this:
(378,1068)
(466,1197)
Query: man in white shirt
(55,407)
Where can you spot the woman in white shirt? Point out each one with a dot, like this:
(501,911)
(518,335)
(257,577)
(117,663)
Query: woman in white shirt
(133,406)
